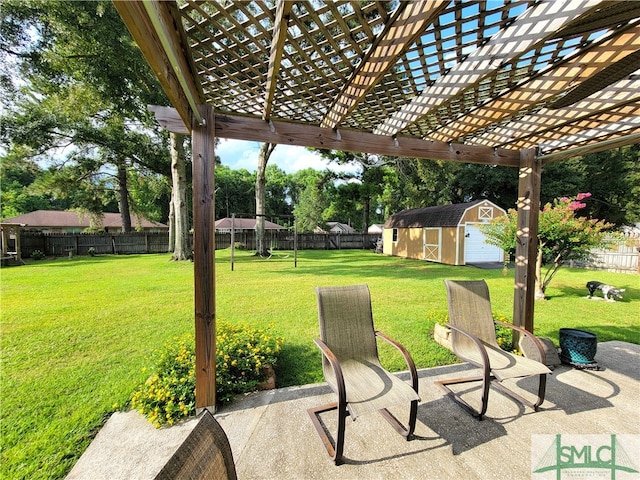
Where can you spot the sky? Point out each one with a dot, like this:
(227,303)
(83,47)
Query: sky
(237,154)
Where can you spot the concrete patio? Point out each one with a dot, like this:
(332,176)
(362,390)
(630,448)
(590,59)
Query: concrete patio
(272,436)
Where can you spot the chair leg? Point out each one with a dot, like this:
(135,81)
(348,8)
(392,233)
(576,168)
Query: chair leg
(407,431)
(336,448)
(444,384)
(541,392)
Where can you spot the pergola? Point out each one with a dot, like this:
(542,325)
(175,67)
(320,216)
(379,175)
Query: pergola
(516,83)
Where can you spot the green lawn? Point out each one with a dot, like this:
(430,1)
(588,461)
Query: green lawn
(77,333)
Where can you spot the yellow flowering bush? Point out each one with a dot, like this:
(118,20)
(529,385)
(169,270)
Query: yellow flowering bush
(168,395)
(241,353)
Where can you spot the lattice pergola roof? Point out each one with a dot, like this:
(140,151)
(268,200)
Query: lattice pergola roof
(508,75)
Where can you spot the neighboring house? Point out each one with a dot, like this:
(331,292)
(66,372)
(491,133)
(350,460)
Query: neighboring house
(375,229)
(336,227)
(446,234)
(56,221)
(223,225)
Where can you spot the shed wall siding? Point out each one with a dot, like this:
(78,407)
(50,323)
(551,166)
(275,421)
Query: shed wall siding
(449,245)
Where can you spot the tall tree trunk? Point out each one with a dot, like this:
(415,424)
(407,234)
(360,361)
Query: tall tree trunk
(181,250)
(539,289)
(367,214)
(172,225)
(265,152)
(123,197)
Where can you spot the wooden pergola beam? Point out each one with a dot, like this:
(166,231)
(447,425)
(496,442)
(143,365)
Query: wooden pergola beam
(526,239)
(409,21)
(545,86)
(135,15)
(621,141)
(256,130)
(611,98)
(204,246)
(532,27)
(277,45)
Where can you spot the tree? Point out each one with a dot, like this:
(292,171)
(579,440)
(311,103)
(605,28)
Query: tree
(263,157)
(278,192)
(235,192)
(309,198)
(366,185)
(77,84)
(179,212)
(17,173)
(562,236)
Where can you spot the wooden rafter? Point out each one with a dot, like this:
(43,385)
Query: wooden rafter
(166,22)
(525,126)
(620,141)
(545,86)
(279,36)
(136,17)
(588,130)
(409,21)
(530,28)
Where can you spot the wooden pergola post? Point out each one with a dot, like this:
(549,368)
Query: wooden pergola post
(204,257)
(527,239)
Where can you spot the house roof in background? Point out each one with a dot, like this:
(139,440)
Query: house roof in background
(65,219)
(342,227)
(438,216)
(245,224)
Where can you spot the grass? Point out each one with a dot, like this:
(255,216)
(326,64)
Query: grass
(77,333)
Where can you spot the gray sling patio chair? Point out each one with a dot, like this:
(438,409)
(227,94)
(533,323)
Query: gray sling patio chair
(473,338)
(205,454)
(352,369)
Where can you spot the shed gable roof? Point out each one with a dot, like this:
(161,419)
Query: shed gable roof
(438,216)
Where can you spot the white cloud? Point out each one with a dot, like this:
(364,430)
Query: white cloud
(238,154)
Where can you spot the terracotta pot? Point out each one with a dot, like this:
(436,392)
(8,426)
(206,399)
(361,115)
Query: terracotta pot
(270,382)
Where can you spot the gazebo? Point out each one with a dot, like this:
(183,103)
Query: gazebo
(517,83)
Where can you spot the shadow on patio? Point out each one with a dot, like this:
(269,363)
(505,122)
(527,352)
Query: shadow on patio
(272,436)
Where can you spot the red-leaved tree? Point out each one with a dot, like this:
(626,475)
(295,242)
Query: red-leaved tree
(562,236)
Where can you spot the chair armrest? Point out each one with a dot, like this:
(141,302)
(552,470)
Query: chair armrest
(486,365)
(542,355)
(407,358)
(337,370)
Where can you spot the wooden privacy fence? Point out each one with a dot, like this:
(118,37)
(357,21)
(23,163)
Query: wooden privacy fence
(620,257)
(136,243)
(58,244)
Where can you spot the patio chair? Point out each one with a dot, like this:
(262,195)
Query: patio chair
(205,453)
(473,339)
(352,369)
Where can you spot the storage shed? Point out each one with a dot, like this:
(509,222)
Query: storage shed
(448,234)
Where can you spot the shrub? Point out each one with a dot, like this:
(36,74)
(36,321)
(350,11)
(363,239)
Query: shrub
(241,353)
(37,255)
